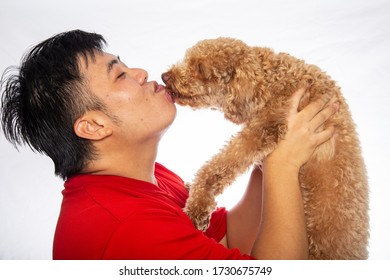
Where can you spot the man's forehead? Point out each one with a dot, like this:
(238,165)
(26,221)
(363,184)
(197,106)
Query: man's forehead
(98,58)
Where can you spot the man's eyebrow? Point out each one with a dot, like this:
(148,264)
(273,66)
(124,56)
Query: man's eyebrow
(111,64)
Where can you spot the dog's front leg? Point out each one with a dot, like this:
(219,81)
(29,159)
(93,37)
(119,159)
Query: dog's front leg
(250,145)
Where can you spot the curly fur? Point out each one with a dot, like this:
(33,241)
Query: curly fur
(252,86)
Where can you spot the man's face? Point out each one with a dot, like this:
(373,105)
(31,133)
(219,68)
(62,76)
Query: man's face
(143,110)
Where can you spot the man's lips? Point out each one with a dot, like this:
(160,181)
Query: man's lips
(159,88)
(169,96)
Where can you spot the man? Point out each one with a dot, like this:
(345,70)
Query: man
(101,122)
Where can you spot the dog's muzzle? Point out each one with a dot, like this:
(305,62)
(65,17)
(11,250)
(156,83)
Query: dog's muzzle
(169,84)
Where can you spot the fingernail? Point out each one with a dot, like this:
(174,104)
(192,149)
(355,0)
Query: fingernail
(336,106)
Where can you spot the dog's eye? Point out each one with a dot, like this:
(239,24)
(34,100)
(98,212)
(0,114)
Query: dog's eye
(201,69)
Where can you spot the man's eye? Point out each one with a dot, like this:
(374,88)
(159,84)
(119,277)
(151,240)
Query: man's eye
(123,74)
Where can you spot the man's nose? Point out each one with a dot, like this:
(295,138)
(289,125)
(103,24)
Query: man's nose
(140,75)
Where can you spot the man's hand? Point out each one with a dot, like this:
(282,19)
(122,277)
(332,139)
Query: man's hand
(304,132)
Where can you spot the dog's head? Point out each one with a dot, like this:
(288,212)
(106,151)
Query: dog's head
(216,73)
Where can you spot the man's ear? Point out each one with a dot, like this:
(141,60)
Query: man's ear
(93,125)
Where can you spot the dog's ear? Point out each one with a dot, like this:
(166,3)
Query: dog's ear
(239,96)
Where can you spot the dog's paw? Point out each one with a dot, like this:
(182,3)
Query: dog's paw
(187,186)
(203,224)
(200,219)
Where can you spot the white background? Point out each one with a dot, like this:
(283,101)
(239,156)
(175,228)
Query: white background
(350,39)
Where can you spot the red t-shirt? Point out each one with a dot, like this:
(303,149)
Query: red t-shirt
(112,217)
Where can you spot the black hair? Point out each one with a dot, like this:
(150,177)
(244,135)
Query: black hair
(43,99)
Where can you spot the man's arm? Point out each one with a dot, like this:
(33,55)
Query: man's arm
(282,234)
(243,220)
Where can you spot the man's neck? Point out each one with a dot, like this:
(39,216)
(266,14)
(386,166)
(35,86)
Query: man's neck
(131,163)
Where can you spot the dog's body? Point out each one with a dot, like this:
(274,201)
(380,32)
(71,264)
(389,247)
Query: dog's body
(252,86)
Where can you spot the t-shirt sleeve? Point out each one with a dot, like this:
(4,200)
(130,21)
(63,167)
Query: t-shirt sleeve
(158,234)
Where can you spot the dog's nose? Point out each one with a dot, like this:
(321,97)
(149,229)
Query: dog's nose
(165,77)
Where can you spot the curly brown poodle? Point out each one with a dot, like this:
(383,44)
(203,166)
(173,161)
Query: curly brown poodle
(252,87)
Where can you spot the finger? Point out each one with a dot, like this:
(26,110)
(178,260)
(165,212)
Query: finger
(323,116)
(324,135)
(311,110)
(296,99)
